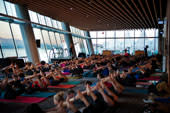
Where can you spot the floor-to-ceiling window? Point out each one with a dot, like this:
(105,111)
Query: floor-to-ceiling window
(11,41)
(131,40)
(42,49)
(6,40)
(19,43)
(80,44)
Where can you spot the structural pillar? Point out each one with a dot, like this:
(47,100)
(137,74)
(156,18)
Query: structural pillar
(28,35)
(168,40)
(89,43)
(160,43)
(68,39)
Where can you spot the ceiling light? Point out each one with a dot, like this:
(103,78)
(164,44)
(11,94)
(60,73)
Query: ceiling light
(71,8)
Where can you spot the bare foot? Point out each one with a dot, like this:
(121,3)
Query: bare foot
(88,89)
(79,95)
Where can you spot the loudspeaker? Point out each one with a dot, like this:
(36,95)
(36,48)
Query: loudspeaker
(38,43)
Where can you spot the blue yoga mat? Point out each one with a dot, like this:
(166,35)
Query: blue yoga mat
(71,82)
(39,94)
(139,91)
(163,100)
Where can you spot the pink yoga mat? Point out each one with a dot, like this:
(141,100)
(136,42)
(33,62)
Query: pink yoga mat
(22,99)
(156,78)
(143,83)
(62,86)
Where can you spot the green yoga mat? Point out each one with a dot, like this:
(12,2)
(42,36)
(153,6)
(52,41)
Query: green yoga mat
(71,82)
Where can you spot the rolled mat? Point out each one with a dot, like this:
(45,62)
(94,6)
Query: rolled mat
(62,86)
(39,94)
(23,99)
(71,83)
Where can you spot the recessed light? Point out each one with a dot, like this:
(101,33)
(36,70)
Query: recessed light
(71,8)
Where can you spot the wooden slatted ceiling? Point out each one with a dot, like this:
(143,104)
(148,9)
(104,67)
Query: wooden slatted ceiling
(101,14)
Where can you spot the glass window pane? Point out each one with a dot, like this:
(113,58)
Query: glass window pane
(18,40)
(54,45)
(33,16)
(101,34)
(150,33)
(76,45)
(150,43)
(53,41)
(48,21)
(110,44)
(139,33)
(41,50)
(54,23)
(6,40)
(0,54)
(120,33)
(93,34)
(129,33)
(58,40)
(100,45)
(10,9)
(119,45)
(110,34)
(156,45)
(81,32)
(64,46)
(2,7)
(59,25)
(129,45)
(139,44)
(94,45)
(47,42)
(85,45)
(41,19)
(156,33)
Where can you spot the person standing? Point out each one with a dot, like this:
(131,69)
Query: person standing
(71,50)
(146,51)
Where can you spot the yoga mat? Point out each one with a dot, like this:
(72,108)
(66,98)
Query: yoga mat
(39,94)
(62,86)
(74,77)
(71,83)
(143,83)
(139,91)
(156,74)
(109,85)
(163,100)
(22,99)
(156,78)
(158,70)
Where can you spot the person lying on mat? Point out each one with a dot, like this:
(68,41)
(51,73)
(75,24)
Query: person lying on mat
(100,105)
(52,79)
(58,100)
